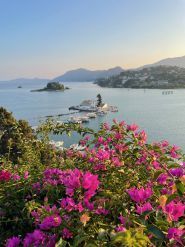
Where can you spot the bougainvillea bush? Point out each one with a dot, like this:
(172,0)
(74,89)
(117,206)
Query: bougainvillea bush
(118,191)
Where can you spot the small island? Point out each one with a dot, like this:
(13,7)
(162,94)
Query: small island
(52,86)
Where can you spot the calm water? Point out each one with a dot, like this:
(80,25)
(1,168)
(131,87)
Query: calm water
(161,116)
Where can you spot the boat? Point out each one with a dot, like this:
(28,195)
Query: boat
(77,147)
(76,120)
(57,144)
(101,113)
(91,115)
(114,109)
(84,119)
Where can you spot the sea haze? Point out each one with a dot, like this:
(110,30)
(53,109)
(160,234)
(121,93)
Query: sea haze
(161,116)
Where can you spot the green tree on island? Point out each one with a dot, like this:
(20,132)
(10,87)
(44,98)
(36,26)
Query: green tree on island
(99,100)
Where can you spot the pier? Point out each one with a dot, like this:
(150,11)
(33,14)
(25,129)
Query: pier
(167,92)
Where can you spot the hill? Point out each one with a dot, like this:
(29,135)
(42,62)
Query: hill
(175,61)
(26,80)
(163,77)
(84,75)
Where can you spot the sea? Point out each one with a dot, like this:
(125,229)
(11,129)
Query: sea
(161,115)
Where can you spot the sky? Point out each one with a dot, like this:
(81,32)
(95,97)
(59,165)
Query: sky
(45,38)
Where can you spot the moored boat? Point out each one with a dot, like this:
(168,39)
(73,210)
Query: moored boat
(75,120)
(91,115)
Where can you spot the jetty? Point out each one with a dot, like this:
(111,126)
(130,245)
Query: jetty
(167,92)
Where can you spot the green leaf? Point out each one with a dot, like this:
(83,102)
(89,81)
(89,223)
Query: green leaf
(156,175)
(79,239)
(174,165)
(171,198)
(180,188)
(156,232)
(91,245)
(62,243)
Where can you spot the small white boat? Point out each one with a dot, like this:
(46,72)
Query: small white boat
(84,119)
(91,115)
(57,144)
(101,113)
(77,147)
(75,120)
(114,109)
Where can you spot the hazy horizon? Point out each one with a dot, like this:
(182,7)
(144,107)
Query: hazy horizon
(45,39)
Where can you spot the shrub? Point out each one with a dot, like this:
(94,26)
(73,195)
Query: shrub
(119,191)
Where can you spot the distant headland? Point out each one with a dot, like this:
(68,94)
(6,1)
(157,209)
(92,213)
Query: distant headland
(156,77)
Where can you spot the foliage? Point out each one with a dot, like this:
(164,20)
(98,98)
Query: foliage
(19,143)
(162,77)
(52,86)
(55,86)
(99,100)
(119,191)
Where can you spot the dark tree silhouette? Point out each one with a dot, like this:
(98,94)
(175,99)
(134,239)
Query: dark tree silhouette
(99,100)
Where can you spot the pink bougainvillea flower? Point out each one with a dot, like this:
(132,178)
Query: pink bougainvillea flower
(164,143)
(140,195)
(102,211)
(173,152)
(100,140)
(79,207)
(68,204)
(53,176)
(66,234)
(36,186)
(175,233)
(50,222)
(5,175)
(35,239)
(177,172)
(142,137)
(162,178)
(174,210)
(90,183)
(132,127)
(120,228)
(102,155)
(26,175)
(116,162)
(72,181)
(15,177)
(89,205)
(143,208)
(156,165)
(99,167)
(122,219)
(13,242)
(118,136)
(106,126)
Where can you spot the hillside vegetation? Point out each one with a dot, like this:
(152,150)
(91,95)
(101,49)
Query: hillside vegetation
(162,77)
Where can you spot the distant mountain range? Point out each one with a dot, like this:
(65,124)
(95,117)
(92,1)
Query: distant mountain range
(84,75)
(26,80)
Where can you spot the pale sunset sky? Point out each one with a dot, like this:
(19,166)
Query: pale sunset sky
(45,38)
